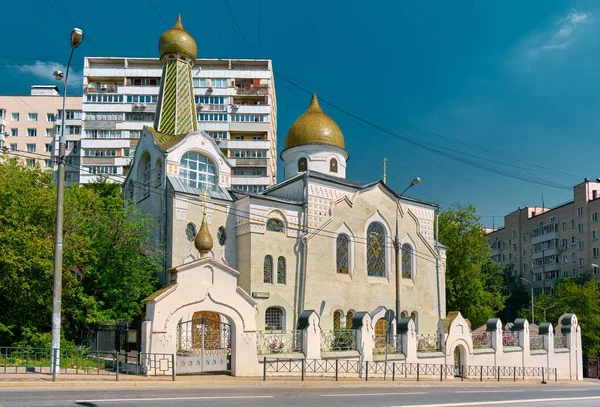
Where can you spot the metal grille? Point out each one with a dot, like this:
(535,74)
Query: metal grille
(482,340)
(201,335)
(338,340)
(560,341)
(274,319)
(342,249)
(268,269)
(376,250)
(395,345)
(278,342)
(429,343)
(337,320)
(406,261)
(349,317)
(281,270)
(536,342)
(509,339)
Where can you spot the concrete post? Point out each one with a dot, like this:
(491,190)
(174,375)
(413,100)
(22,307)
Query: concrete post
(494,328)
(521,326)
(308,323)
(406,328)
(361,323)
(546,331)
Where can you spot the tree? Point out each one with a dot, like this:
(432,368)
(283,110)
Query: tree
(474,282)
(516,295)
(109,261)
(579,297)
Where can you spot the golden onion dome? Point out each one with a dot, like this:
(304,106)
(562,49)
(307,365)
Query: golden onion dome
(177,40)
(203,240)
(314,127)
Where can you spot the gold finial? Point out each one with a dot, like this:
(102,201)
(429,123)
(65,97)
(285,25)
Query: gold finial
(203,240)
(177,40)
(385,170)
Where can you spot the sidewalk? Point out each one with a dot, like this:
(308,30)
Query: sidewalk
(64,380)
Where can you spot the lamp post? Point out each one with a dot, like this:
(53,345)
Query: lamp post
(532,314)
(397,248)
(76,38)
(545,308)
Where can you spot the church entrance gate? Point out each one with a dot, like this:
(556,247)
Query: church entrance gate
(203,344)
(457,362)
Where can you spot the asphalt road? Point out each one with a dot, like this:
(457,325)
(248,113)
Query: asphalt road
(532,396)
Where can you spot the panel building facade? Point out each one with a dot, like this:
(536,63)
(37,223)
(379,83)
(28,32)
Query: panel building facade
(548,244)
(235,102)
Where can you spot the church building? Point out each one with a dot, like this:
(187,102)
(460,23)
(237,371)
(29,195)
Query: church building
(255,262)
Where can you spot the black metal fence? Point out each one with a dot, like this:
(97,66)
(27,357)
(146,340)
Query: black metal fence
(15,360)
(335,367)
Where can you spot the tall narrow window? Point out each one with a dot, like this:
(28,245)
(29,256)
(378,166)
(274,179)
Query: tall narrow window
(333,165)
(281,270)
(349,316)
(302,164)
(337,320)
(342,251)
(407,253)
(274,319)
(268,269)
(376,250)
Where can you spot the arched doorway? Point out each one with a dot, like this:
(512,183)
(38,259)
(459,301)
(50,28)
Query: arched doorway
(458,361)
(380,335)
(204,343)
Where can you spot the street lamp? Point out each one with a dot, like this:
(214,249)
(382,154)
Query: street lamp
(545,308)
(532,314)
(397,247)
(76,38)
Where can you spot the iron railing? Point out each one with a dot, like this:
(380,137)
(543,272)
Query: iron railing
(395,345)
(510,339)
(278,341)
(560,341)
(335,367)
(200,335)
(429,343)
(482,340)
(338,340)
(16,360)
(536,342)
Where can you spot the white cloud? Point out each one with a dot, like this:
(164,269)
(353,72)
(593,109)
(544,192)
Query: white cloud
(44,70)
(563,36)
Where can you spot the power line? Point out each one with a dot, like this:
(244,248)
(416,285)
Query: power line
(156,11)
(68,16)
(238,26)
(239,213)
(144,14)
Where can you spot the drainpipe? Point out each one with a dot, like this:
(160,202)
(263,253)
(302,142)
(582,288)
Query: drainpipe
(302,288)
(437,262)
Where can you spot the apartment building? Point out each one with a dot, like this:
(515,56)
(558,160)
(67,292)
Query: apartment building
(27,125)
(236,105)
(548,244)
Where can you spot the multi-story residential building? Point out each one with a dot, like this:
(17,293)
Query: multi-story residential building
(235,101)
(27,124)
(547,244)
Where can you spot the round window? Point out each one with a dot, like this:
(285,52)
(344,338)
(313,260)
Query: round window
(190,232)
(221,235)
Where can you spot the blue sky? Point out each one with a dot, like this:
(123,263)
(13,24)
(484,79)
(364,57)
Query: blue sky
(509,85)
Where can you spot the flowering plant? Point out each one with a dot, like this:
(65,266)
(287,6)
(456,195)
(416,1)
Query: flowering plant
(275,345)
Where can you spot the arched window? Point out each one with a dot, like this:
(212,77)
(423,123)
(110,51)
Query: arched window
(302,164)
(274,319)
(337,320)
(275,225)
(158,172)
(415,317)
(376,250)
(333,164)
(144,174)
(349,316)
(268,269)
(407,254)
(380,327)
(197,171)
(221,235)
(281,270)
(130,190)
(342,251)
(403,314)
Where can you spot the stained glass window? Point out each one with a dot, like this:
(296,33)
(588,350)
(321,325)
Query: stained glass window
(349,316)
(190,232)
(403,314)
(302,165)
(281,270)
(268,269)
(333,165)
(274,319)
(376,250)
(337,320)
(407,260)
(275,225)
(342,251)
(221,235)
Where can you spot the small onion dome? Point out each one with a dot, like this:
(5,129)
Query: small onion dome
(203,240)
(177,40)
(314,127)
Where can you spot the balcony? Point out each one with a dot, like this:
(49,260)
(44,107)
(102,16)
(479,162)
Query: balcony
(545,252)
(108,88)
(251,162)
(210,107)
(97,160)
(245,144)
(252,91)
